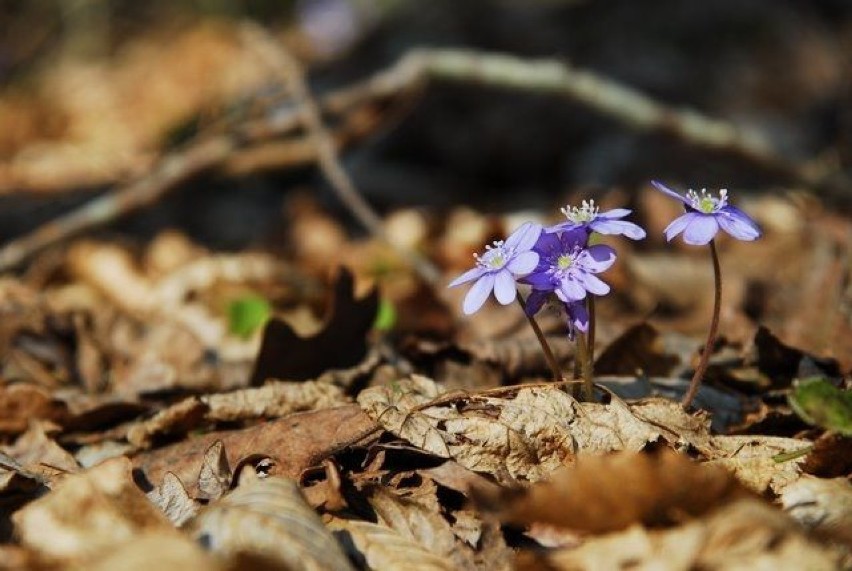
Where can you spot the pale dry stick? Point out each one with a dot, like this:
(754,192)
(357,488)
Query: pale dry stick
(279,59)
(540,76)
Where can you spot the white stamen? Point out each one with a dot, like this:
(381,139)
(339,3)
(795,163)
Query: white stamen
(585,213)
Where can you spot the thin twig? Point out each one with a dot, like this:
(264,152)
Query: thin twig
(279,59)
(542,340)
(596,92)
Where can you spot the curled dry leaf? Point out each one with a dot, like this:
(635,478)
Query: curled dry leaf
(87,514)
(383,549)
(214,479)
(21,402)
(269,518)
(174,501)
(274,399)
(590,496)
(748,534)
(40,454)
(176,419)
(759,461)
(822,505)
(296,442)
(524,437)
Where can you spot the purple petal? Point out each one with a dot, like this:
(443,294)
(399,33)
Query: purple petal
(523,263)
(535,301)
(524,237)
(539,280)
(571,290)
(548,243)
(738,224)
(504,287)
(678,225)
(468,276)
(666,190)
(701,229)
(598,258)
(577,236)
(593,284)
(478,294)
(614,227)
(614,213)
(561,227)
(578,316)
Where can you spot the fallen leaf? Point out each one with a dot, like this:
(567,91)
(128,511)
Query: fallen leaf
(341,343)
(269,518)
(383,549)
(639,348)
(214,479)
(665,488)
(89,513)
(758,461)
(824,506)
(174,501)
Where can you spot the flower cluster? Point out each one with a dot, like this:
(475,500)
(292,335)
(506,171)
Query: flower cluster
(561,265)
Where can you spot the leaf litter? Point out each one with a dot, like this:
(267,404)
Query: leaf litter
(167,404)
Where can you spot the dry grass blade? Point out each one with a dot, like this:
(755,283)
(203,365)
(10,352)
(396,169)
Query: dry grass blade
(383,549)
(269,519)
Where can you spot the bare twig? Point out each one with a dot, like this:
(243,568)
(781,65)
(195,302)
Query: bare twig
(603,95)
(289,69)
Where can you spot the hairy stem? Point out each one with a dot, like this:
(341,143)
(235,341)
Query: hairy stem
(590,306)
(548,353)
(587,371)
(711,335)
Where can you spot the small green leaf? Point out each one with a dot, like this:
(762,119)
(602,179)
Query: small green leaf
(248,314)
(817,401)
(385,316)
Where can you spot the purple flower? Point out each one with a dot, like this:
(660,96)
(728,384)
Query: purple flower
(575,311)
(705,214)
(568,267)
(498,267)
(588,216)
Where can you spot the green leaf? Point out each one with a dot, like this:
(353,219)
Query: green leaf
(248,314)
(385,316)
(817,401)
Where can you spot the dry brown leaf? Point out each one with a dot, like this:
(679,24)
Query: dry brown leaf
(177,419)
(89,513)
(822,505)
(527,436)
(156,550)
(752,459)
(417,518)
(215,476)
(591,496)
(274,399)
(295,442)
(40,454)
(269,518)
(19,403)
(745,535)
(384,549)
(174,501)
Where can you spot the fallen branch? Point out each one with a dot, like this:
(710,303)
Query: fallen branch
(239,147)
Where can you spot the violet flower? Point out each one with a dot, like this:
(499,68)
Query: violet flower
(575,311)
(705,214)
(568,267)
(499,266)
(590,217)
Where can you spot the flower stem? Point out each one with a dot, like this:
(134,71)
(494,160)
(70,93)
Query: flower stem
(548,353)
(591,309)
(711,335)
(583,356)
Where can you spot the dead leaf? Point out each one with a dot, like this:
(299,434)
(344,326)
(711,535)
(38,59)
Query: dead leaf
(214,479)
(384,549)
(757,461)
(748,534)
(269,518)
(528,436)
(19,403)
(40,454)
(89,513)
(156,550)
(177,419)
(296,442)
(665,488)
(824,506)
(273,399)
(340,344)
(639,348)
(174,501)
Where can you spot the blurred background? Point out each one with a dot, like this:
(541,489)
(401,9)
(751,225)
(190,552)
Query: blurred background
(93,92)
